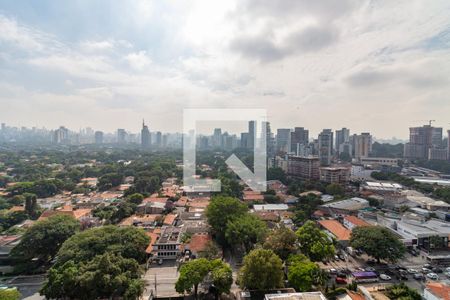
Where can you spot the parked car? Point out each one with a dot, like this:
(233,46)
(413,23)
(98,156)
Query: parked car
(370,269)
(412,271)
(341,274)
(333,271)
(433,276)
(437,270)
(385,277)
(418,276)
(340,280)
(413,252)
(371,261)
(447,274)
(426,270)
(403,275)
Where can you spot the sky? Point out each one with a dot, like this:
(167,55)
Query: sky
(377,66)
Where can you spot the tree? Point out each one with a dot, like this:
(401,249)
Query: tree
(192,274)
(334,189)
(44,239)
(402,292)
(105,276)
(129,242)
(135,198)
(246,231)
(124,210)
(222,277)
(108,181)
(302,273)
(276,174)
(211,251)
(282,241)
(9,294)
(30,204)
(314,243)
(378,242)
(220,211)
(262,270)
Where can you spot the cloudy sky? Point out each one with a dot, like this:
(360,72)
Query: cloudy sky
(378,66)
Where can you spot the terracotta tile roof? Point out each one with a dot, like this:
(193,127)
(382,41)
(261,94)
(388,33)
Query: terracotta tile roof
(181,202)
(68,211)
(153,238)
(355,296)
(199,241)
(356,221)
(440,290)
(140,219)
(340,232)
(252,196)
(155,199)
(169,219)
(318,213)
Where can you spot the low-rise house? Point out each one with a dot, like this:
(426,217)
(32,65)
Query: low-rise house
(198,243)
(151,208)
(336,230)
(252,196)
(68,210)
(436,291)
(277,186)
(145,221)
(170,219)
(352,222)
(345,207)
(270,207)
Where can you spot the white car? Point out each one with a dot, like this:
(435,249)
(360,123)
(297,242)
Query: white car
(370,269)
(447,269)
(447,274)
(412,271)
(385,277)
(433,276)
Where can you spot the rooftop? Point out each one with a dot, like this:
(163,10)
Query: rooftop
(438,289)
(296,296)
(356,221)
(340,232)
(268,207)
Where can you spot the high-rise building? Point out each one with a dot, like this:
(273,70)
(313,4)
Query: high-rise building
(121,136)
(421,139)
(306,167)
(448,144)
(251,134)
(98,135)
(325,147)
(145,136)
(244,140)
(300,136)
(158,140)
(283,139)
(270,144)
(363,145)
(61,135)
(217,138)
(342,136)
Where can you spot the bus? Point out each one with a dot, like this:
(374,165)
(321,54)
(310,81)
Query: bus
(361,277)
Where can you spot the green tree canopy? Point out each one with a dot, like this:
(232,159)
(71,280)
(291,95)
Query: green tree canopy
(245,230)
(129,242)
(44,239)
(262,270)
(220,211)
(314,243)
(402,292)
(302,273)
(104,276)
(282,241)
(9,294)
(135,198)
(378,242)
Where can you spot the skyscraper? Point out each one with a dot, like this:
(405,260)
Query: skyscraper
(158,141)
(300,136)
(217,138)
(244,139)
(270,147)
(61,135)
(342,136)
(282,140)
(98,137)
(363,145)
(121,136)
(325,147)
(421,140)
(251,134)
(145,136)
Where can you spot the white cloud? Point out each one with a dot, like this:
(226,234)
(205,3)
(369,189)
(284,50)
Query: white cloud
(138,60)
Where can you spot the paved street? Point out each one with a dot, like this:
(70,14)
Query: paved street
(161,279)
(28,286)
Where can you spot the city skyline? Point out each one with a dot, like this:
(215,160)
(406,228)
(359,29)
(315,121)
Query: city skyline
(362,65)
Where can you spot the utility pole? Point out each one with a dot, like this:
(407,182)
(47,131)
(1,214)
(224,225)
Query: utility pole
(156,291)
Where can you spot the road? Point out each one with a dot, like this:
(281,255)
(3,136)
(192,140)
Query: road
(28,286)
(160,280)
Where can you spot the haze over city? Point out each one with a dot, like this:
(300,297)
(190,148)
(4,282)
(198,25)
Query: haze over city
(378,66)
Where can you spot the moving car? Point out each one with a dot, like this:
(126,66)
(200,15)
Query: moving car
(412,271)
(370,269)
(418,276)
(385,277)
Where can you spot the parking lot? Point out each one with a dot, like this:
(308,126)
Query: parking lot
(405,270)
